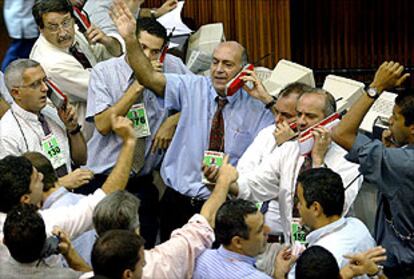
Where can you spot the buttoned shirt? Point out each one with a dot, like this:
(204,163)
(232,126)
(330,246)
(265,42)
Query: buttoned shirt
(391,170)
(67,72)
(195,98)
(21,131)
(276,177)
(19,19)
(262,146)
(175,258)
(223,263)
(345,236)
(109,81)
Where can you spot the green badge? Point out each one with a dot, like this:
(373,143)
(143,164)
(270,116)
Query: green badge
(138,115)
(298,233)
(53,151)
(212,158)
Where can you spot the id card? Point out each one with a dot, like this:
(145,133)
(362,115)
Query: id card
(138,115)
(212,158)
(53,151)
(298,234)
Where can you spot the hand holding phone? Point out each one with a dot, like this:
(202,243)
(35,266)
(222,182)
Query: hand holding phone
(58,98)
(236,83)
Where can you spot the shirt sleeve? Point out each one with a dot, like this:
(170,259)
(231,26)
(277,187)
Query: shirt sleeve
(262,184)
(175,258)
(74,219)
(99,98)
(378,164)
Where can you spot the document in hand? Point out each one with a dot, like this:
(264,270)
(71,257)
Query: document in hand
(287,72)
(306,139)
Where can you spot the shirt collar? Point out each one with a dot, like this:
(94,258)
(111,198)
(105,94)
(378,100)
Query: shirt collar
(232,256)
(231,99)
(27,115)
(333,227)
(54,197)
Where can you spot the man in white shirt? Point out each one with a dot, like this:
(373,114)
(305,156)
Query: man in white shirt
(321,199)
(68,55)
(276,176)
(269,139)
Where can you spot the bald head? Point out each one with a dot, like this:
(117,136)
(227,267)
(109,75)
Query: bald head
(228,60)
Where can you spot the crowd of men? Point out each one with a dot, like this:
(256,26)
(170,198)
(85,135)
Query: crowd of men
(78,198)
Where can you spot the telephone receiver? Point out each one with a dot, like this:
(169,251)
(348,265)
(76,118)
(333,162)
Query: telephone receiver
(81,19)
(236,83)
(58,98)
(163,53)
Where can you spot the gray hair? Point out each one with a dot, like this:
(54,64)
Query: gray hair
(13,75)
(330,103)
(118,210)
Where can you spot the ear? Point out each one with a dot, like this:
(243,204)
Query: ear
(236,242)
(411,128)
(15,93)
(127,274)
(25,199)
(317,209)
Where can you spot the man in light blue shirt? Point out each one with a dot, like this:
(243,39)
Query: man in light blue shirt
(197,97)
(114,90)
(242,233)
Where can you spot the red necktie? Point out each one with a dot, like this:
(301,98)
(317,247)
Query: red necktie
(80,56)
(217,127)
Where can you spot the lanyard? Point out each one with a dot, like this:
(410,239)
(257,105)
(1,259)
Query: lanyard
(21,131)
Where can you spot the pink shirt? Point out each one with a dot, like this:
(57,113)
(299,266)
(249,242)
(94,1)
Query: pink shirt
(175,258)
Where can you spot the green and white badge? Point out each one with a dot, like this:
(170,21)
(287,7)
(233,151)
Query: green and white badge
(53,151)
(212,158)
(138,115)
(298,234)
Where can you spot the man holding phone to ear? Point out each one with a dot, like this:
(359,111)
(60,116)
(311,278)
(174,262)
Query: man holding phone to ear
(210,121)
(24,128)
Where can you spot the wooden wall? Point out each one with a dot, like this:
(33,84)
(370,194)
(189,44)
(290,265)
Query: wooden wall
(247,21)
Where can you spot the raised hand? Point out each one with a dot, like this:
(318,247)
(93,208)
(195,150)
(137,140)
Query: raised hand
(123,19)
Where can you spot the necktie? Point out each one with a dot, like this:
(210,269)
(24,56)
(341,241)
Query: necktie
(139,152)
(80,56)
(62,170)
(307,164)
(217,127)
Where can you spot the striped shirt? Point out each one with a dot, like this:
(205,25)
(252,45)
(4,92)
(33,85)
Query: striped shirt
(222,263)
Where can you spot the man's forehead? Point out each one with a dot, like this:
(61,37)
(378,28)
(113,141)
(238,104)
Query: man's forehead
(311,101)
(33,73)
(55,17)
(228,51)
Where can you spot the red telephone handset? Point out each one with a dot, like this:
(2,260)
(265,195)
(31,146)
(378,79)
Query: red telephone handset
(163,53)
(236,83)
(58,98)
(81,19)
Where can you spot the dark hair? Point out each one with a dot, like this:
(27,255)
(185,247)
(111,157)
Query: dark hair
(114,252)
(294,88)
(230,220)
(15,175)
(153,27)
(405,103)
(42,7)
(330,103)
(43,165)
(316,262)
(324,186)
(24,233)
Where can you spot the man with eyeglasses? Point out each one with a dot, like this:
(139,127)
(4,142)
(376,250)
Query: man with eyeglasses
(66,54)
(24,128)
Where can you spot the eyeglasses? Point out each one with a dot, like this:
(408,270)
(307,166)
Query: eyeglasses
(36,84)
(66,24)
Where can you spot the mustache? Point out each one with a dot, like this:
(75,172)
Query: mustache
(64,38)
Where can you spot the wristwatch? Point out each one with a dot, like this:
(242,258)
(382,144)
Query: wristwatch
(372,92)
(154,13)
(377,274)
